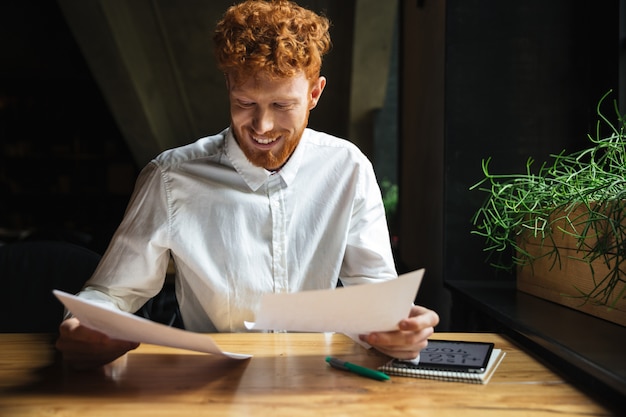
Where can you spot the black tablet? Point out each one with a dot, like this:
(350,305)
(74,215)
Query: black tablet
(445,355)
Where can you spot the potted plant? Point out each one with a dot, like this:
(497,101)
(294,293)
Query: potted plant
(564,226)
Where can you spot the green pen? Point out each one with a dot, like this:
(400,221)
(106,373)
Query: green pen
(359,370)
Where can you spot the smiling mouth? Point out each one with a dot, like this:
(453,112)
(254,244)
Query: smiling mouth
(264,141)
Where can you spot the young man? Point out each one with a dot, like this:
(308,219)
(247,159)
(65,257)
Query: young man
(267,205)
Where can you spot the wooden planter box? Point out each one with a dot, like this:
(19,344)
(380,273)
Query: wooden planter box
(564,278)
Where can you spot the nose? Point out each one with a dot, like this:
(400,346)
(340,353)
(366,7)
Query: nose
(263,120)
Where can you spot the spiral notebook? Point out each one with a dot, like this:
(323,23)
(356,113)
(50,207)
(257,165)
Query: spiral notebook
(404,368)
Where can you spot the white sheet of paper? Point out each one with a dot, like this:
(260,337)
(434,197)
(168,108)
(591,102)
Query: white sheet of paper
(125,326)
(353,310)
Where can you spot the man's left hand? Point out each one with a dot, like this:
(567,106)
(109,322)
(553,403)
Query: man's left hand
(410,339)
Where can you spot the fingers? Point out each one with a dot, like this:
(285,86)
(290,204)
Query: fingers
(84,348)
(400,344)
(71,330)
(412,337)
(419,318)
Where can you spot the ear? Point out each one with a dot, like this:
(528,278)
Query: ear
(316,91)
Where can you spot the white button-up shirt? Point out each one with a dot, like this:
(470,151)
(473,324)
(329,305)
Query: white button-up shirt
(236,231)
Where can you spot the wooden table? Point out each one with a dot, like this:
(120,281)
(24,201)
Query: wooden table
(286,377)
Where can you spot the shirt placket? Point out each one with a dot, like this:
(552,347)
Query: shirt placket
(279,238)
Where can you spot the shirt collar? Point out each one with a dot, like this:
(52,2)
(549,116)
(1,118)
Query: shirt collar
(255,176)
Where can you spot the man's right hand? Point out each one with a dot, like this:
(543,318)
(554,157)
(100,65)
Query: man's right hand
(84,348)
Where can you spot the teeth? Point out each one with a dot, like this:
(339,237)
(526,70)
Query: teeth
(264,141)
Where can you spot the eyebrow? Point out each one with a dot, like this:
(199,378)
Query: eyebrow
(283,100)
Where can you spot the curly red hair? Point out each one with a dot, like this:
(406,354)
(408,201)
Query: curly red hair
(277,37)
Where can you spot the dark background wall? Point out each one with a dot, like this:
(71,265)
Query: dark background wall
(522,81)
(507,80)
(478,78)
(91,90)
(65,169)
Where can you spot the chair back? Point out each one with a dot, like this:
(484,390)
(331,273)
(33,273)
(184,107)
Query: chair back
(29,271)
